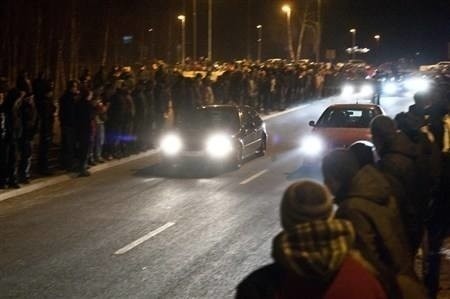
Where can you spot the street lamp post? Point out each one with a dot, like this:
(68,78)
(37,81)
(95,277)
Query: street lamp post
(377,38)
(259,40)
(194,30)
(287,9)
(152,43)
(182,18)
(353,32)
(210,33)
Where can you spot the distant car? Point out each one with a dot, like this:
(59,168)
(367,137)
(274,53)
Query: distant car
(216,134)
(365,88)
(338,127)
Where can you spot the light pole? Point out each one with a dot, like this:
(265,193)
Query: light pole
(182,18)
(152,43)
(287,9)
(194,30)
(353,32)
(259,40)
(210,20)
(377,38)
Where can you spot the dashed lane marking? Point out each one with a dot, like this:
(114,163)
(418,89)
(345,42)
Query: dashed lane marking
(141,240)
(253,177)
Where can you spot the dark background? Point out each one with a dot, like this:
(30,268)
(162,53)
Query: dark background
(64,36)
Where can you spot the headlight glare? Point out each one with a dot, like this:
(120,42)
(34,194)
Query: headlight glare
(312,145)
(348,90)
(390,88)
(367,90)
(171,144)
(417,84)
(219,146)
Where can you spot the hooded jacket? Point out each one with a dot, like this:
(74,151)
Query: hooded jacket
(380,236)
(314,260)
(398,158)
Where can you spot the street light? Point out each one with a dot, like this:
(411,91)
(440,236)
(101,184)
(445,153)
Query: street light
(182,18)
(287,10)
(152,43)
(259,27)
(377,38)
(353,32)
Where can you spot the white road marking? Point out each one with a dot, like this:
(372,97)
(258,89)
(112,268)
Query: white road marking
(144,238)
(253,177)
(149,180)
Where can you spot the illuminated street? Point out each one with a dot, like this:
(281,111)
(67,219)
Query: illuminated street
(139,231)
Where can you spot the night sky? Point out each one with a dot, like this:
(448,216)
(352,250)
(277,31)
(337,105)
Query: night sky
(406,27)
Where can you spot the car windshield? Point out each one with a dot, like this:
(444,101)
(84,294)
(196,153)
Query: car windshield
(346,118)
(222,118)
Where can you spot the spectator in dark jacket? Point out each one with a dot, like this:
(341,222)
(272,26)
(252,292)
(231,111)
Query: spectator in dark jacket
(313,254)
(3,145)
(46,109)
(398,157)
(13,126)
(84,129)
(68,120)
(364,197)
(28,119)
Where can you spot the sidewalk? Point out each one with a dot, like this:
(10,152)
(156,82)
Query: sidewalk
(43,182)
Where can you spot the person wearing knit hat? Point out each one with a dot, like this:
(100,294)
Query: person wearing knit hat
(304,201)
(313,255)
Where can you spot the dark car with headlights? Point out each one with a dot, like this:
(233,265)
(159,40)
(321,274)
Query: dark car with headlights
(222,134)
(365,88)
(338,127)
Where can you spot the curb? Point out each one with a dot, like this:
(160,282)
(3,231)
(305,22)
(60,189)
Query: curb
(46,182)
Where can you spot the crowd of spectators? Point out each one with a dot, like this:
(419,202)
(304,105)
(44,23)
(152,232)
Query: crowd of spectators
(393,202)
(112,114)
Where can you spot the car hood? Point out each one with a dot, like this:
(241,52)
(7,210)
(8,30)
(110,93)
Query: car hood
(342,137)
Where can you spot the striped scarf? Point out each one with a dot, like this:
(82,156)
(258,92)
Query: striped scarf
(314,250)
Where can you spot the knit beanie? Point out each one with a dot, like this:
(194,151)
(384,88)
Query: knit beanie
(340,165)
(304,201)
(383,127)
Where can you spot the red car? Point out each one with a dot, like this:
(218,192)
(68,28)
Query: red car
(338,127)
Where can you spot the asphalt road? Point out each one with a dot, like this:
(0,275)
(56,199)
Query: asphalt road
(140,231)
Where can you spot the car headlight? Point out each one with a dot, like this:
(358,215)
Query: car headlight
(219,146)
(348,90)
(417,84)
(171,144)
(312,145)
(367,90)
(390,88)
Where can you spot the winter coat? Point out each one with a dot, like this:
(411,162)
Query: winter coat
(314,261)
(370,206)
(85,116)
(13,123)
(398,158)
(28,117)
(67,116)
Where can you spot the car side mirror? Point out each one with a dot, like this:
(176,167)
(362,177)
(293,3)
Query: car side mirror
(312,123)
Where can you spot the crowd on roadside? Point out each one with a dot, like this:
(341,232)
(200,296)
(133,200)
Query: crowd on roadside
(393,202)
(112,114)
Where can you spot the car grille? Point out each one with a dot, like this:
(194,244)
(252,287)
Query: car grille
(193,145)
